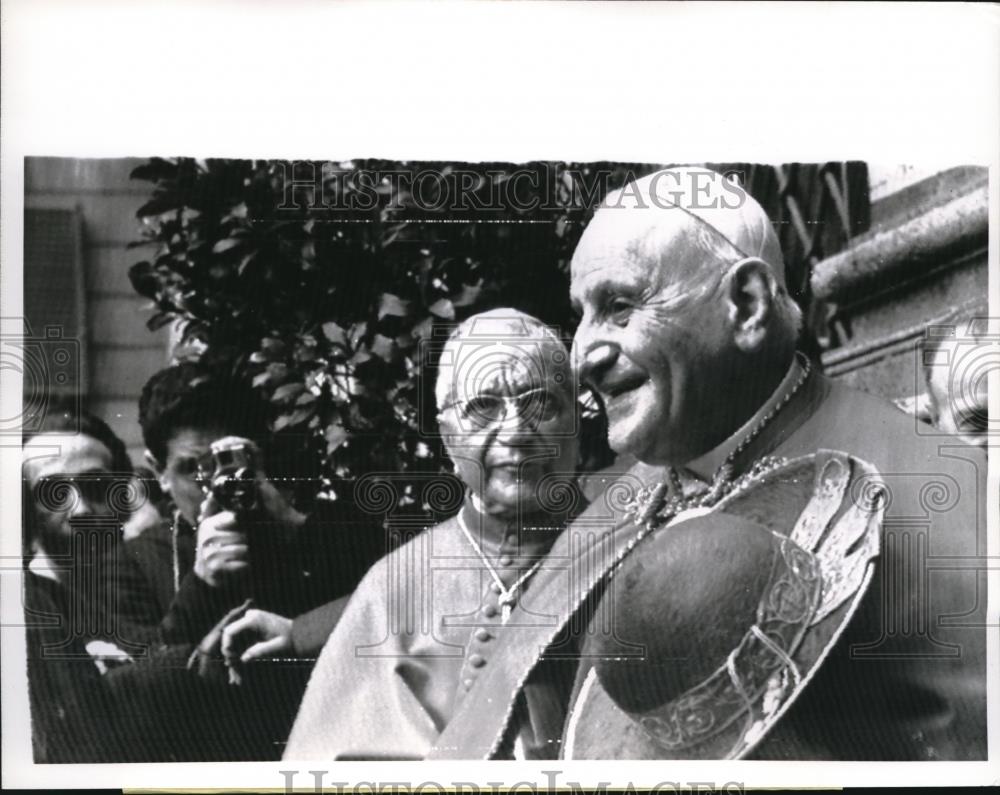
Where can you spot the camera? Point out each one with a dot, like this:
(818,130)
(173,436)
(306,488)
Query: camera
(229,474)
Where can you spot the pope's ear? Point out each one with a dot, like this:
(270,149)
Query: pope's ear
(750,292)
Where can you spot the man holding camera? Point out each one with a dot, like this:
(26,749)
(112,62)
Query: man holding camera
(179,584)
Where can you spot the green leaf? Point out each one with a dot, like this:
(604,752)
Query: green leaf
(442,308)
(357,331)
(144,280)
(287,392)
(360,357)
(393,305)
(155,170)
(334,333)
(239,211)
(296,417)
(383,347)
(159,320)
(225,244)
(159,204)
(273,346)
(468,295)
(335,435)
(278,371)
(423,329)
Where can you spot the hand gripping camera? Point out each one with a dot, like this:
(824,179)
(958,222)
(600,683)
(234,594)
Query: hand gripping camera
(229,474)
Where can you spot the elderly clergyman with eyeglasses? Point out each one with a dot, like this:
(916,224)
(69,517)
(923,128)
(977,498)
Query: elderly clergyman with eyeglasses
(803,574)
(425,622)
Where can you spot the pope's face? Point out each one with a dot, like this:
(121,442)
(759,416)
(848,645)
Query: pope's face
(66,486)
(511,423)
(653,347)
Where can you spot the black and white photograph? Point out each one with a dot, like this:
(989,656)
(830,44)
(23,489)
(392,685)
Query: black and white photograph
(366,456)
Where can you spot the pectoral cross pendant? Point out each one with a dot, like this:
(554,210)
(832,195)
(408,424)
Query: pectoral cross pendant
(506,606)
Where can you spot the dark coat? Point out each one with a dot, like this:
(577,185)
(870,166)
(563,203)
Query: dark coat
(72,718)
(189,718)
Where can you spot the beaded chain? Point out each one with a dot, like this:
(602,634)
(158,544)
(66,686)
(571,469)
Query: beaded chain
(651,509)
(507,596)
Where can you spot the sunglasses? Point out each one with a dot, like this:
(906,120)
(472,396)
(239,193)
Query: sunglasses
(58,493)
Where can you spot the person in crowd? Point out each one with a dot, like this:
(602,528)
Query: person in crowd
(177,582)
(70,466)
(424,623)
(689,336)
(956,369)
(177,585)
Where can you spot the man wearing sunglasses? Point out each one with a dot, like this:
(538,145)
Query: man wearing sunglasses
(72,467)
(426,621)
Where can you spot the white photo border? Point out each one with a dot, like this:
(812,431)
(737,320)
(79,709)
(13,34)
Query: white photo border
(673,82)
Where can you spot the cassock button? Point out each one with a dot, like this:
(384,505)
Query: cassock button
(477,660)
(467,684)
(490,610)
(506,560)
(511,538)
(483,635)
(495,587)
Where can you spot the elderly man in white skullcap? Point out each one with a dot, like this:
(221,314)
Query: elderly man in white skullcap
(426,621)
(689,337)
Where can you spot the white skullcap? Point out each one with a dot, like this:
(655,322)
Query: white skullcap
(501,344)
(711,199)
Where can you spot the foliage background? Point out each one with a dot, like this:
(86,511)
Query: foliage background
(333,313)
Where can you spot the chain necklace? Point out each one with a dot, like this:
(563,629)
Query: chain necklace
(650,508)
(507,596)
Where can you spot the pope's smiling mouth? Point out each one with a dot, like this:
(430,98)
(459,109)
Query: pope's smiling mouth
(612,391)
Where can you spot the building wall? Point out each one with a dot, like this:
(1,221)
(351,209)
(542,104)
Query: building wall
(919,271)
(119,352)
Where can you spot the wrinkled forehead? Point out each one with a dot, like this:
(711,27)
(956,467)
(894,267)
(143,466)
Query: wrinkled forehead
(50,454)
(501,351)
(638,246)
(664,225)
(507,368)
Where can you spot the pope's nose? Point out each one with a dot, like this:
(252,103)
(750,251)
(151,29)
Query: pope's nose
(592,362)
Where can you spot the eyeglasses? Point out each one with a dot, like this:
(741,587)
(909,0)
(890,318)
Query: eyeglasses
(533,407)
